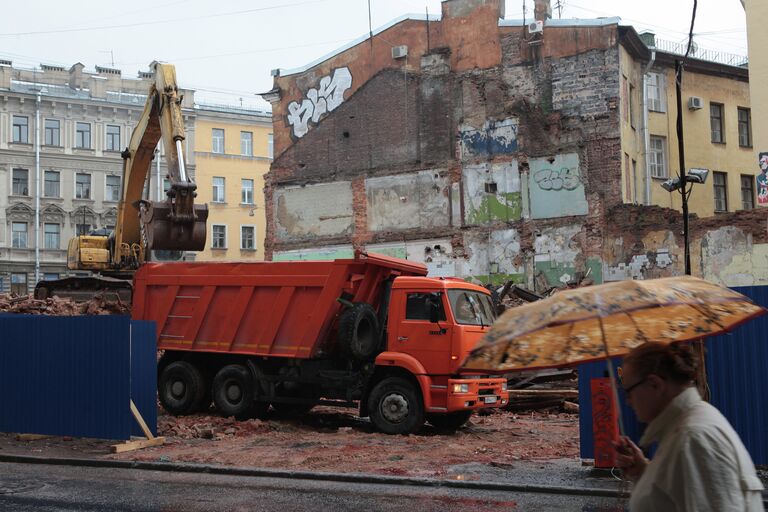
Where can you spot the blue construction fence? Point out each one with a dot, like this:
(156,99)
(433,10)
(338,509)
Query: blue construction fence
(737,374)
(76,376)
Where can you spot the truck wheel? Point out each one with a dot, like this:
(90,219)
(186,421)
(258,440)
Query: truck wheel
(181,388)
(233,393)
(395,407)
(449,422)
(359,331)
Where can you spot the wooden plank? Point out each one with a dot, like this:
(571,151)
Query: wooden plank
(31,437)
(140,421)
(137,444)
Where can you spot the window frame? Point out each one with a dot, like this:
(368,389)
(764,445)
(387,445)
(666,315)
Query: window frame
(659,102)
(215,188)
(655,153)
(16,243)
(46,181)
(47,130)
(57,245)
(252,227)
(270,145)
(750,180)
(244,190)
(90,186)
(217,143)
(720,120)
(720,186)
(747,123)
(80,140)
(82,232)
(23,129)
(110,137)
(632,119)
(107,188)
(246,144)
(214,245)
(14,183)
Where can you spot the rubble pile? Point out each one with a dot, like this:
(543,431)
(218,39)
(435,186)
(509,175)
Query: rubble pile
(547,390)
(209,427)
(57,306)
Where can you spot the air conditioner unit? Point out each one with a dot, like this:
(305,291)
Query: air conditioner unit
(536,27)
(399,52)
(695,103)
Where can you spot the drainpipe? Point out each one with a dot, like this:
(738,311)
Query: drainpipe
(37,189)
(646,131)
(159,179)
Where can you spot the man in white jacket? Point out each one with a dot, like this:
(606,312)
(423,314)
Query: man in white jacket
(700,463)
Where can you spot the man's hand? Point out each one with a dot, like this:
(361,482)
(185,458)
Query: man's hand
(630,458)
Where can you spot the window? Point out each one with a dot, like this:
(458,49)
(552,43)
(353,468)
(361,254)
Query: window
(657,99)
(19,235)
(246,197)
(82,186)
(747,191)
(83,135)
(657,158)
(51,186)
(20,182)
(52,238)
(219,238)
(246,143)
(720,183)
(19,283)
(21,129)
(82,229)
(113,188)
(218,189)
(50,276)
(471,308)
(631,105)
(217,140)
(716,122)
(113,137)
(52,132)
(270,146)
(745,127)
(247,237)
(417,306)
(166,188)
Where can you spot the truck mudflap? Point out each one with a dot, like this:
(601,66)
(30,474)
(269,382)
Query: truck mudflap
(470,394)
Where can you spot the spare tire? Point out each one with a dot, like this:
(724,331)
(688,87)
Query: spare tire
(359,332)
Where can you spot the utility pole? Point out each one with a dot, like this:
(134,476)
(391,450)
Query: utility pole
(559,7)
(681,154)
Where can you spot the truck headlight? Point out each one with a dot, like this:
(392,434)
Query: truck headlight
(504,386)
(461,388)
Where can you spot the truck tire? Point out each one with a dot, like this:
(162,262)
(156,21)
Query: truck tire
(395,406)
(449,422)
(359,332)
(181,388)
(233,393)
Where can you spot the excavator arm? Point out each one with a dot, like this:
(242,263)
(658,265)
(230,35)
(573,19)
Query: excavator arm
(176,223)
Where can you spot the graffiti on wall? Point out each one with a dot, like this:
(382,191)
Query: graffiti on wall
(557,179)
(556,187)
(762,180)
(319,101)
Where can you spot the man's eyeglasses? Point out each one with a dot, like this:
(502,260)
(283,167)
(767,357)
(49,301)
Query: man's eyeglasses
(628,390)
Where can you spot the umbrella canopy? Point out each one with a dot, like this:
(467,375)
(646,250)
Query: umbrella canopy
(578,325)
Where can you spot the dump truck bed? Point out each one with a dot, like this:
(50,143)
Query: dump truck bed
(280,309)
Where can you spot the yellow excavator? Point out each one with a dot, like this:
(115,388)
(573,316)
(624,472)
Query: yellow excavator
(176,224)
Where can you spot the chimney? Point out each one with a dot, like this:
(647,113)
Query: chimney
(542,10)
(6,69)
(648,38)
(76,76)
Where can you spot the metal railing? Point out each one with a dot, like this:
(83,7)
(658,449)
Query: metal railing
(697,52)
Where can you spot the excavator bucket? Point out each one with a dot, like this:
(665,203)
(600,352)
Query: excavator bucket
(163,232)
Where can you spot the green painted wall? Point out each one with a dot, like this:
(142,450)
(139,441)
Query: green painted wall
(492,208)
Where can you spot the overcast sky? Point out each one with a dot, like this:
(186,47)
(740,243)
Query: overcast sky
(226,49)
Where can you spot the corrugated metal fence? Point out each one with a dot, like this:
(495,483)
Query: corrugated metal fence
(76,375)
(737,373)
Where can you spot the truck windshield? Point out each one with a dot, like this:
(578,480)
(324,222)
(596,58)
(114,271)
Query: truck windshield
(471,307)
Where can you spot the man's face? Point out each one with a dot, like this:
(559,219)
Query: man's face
(764,163)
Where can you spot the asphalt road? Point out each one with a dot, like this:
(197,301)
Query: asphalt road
(27,487)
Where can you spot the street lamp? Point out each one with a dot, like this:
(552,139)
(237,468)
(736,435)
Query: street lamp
(694,176)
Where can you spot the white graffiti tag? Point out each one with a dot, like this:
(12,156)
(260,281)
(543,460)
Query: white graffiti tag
(328,95)
(565,178)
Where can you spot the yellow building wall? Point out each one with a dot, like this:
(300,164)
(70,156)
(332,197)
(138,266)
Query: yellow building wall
(233,167)
(633,175)
(700,151)
(757,40)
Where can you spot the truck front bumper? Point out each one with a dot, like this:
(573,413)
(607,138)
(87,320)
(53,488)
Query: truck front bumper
(466,394)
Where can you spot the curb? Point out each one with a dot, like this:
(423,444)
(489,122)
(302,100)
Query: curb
(306,475)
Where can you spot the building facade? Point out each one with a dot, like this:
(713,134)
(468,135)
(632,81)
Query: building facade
(757,41)
(497,150)
(233,150)
(75,123)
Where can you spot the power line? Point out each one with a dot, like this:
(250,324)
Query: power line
(160,22)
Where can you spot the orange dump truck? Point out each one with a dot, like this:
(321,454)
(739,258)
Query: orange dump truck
(371,332)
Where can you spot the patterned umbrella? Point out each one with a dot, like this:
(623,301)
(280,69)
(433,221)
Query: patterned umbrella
(583,324)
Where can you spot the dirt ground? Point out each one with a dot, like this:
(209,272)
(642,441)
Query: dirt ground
(335,440)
